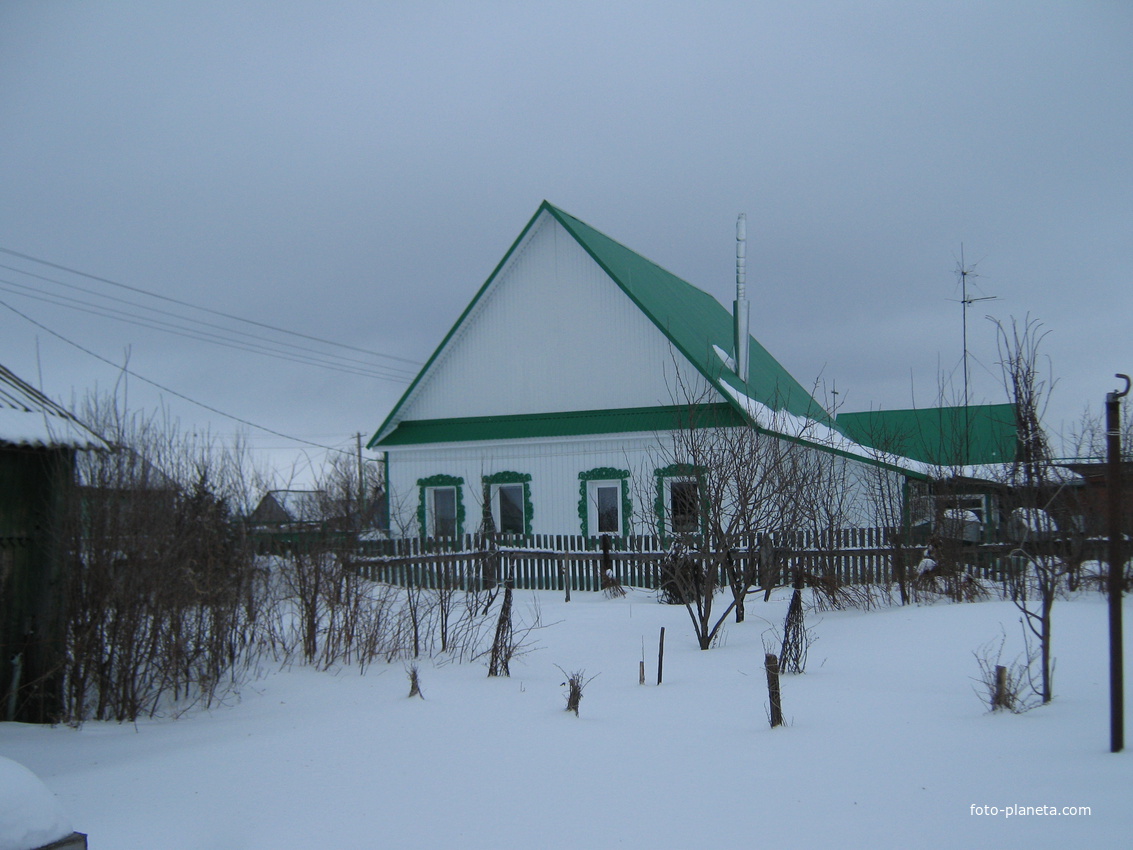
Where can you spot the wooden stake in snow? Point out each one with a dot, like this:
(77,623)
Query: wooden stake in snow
(772,665)
(661,656)
(1001,699)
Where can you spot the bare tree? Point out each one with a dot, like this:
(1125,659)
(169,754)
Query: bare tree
(742,483)
(1033,481)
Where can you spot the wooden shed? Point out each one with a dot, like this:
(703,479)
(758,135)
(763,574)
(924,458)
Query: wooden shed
(38,441)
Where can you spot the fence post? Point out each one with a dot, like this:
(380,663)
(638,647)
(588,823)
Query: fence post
(771,663)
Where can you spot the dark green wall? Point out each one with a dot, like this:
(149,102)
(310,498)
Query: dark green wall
(33,487)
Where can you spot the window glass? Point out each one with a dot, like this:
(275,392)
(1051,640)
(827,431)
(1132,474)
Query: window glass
(444,511)
(684,507)
(510,508)
(607,498)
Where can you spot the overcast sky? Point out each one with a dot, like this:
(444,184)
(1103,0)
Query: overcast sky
(354,171)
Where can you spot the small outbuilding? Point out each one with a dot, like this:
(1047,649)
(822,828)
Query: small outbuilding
(38,441)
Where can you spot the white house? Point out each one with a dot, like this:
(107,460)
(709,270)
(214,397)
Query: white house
(552,398)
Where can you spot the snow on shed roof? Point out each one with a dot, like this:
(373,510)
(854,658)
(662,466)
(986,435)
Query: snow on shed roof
(30,419)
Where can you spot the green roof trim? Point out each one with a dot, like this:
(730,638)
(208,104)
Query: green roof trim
(563,424)
(692,320)
(940,436)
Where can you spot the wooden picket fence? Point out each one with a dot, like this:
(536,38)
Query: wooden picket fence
(556,562)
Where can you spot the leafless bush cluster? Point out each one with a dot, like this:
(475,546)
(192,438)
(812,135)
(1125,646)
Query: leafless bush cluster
(168,606)
(946,580)
(830,593)
(323,612)
(319,609)
(161,587)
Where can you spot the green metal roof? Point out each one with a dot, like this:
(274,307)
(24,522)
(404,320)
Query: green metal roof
(565,424)
(691,319)
(941,436)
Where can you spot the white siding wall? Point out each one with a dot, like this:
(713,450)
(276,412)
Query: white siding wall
(554,466)
(553,333)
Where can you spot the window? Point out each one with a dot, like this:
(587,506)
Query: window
(603,501)
(507,502)
(684,506)
(606,506)
(679,502)
(442,511)
(509,508)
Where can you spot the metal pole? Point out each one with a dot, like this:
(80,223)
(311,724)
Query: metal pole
(1116,568)
(361,482)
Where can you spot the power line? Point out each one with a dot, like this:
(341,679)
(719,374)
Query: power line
(171,300)
(391,372)
(313,359)
(164,388)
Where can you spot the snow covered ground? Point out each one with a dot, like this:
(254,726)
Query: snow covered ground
(887,745)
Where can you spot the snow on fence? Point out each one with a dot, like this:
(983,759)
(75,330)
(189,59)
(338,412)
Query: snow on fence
(552,562)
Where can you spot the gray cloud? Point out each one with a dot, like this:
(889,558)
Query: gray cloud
(355,172)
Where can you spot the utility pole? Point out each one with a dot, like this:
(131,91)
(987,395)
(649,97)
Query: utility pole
(361,483)
(1116,584)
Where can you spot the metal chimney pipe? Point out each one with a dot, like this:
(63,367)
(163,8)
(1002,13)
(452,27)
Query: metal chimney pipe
(740,311)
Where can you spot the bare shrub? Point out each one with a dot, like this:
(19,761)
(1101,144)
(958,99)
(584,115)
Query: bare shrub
(830,593)
(414,682)
(935,581)
(503,644)
(797,638)
(738,482)
(513,638)
(611,587)
(1005,687)
(575,683)
(161,605)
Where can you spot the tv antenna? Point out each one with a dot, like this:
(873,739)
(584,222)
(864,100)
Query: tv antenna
(964,271)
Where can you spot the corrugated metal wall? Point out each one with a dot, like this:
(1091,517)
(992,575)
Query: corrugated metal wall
(554,467)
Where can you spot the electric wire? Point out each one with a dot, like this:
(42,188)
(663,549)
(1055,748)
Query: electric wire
(221,313)
(200,336)
(166,389)
(387,372)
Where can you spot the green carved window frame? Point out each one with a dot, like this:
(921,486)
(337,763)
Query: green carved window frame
(666,476)
(497,478)
(433,482)
(604,473)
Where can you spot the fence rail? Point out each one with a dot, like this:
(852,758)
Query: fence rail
(556,562)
